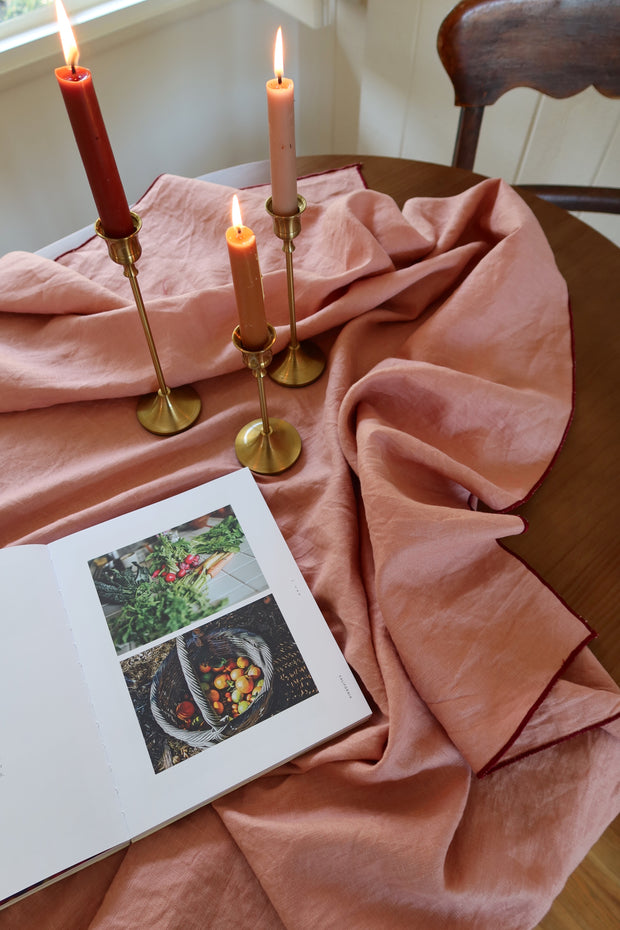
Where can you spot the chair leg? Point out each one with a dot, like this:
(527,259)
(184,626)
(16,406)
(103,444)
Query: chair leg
(467,135)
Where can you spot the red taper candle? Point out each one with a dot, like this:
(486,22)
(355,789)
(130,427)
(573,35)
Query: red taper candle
(78,91)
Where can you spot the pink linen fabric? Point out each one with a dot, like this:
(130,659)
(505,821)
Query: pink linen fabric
(462,803)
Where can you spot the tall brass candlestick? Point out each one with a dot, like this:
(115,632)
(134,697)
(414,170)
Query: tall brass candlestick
(267,446)
(170,410)
(301,363)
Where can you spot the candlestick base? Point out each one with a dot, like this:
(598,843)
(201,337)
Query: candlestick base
(169,410)
(301,363)
(298,365)
(168,413)
(267,446)
(268,453)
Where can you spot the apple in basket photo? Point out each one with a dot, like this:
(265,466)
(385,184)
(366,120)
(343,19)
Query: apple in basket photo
(215,681)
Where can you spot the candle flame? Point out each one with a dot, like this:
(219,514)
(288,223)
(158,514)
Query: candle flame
(278,56)
(236,212)
(69,45)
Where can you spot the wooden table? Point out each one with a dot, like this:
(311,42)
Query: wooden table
(573,540)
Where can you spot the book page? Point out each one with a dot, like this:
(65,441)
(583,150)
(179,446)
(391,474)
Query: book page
(207,659)
(58,803)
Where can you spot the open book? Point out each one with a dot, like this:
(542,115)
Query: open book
(150,664)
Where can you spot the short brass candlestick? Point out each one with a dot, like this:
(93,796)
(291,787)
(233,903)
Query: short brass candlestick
(266,446)
(169,410)
(301,363)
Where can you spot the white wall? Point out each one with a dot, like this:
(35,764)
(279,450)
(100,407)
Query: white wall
(186,95)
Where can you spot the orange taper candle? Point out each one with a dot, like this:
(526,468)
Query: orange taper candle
(247,280)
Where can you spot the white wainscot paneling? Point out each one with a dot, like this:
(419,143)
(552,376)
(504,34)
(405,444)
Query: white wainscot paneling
(608,175)
(431,119)
(576,141)
(568,139)
(391,32)
(506,126)
(348,54)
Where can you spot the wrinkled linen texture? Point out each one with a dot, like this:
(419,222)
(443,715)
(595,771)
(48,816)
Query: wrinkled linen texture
(461,803)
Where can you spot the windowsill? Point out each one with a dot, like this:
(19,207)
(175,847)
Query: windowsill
(26,54)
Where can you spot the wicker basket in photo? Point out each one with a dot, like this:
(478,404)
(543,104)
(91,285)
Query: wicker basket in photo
(178,674)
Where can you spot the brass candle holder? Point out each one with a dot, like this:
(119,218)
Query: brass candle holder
(267,446)
(301,363)
(169,410)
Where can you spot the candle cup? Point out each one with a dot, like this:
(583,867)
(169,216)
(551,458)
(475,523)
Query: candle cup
(301,363)
(266,446)
(168,410)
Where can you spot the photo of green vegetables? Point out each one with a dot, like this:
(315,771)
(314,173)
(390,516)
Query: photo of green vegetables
(169,581)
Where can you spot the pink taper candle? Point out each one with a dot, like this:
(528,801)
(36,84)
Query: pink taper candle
(281,112)
(247,281)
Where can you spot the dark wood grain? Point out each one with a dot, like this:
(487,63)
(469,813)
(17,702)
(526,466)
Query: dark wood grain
(489,47)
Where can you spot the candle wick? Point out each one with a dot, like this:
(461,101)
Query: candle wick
(238,230)
(279,79)
(72,67)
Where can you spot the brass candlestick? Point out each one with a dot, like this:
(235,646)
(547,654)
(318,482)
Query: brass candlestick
(267,446)
(301,363)
(169,410)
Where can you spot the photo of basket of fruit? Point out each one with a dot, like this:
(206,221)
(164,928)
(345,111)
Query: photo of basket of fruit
(212,685)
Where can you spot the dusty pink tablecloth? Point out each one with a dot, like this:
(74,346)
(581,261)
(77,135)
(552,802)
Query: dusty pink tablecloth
(462,803)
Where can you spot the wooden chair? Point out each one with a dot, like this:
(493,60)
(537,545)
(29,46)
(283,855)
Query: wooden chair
(557,47)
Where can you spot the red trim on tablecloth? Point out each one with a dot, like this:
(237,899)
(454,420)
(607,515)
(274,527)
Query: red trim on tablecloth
(496,762)
(357,164)
(559,597)
(555,742)
(317,174)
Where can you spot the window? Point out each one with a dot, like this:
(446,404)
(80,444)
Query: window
(23,20)
(30,34)
(11,8)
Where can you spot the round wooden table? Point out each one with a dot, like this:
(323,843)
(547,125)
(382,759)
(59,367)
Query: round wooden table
(573,540)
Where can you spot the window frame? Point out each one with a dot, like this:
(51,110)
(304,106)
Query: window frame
(27,41)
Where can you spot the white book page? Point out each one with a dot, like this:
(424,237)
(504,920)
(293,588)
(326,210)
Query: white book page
(309,693)
(58,804)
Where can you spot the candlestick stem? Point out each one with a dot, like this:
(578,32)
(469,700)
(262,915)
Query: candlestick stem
(290,282)
(301,363)
(131,272)
(169,410)
(267,446)
(260,377)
